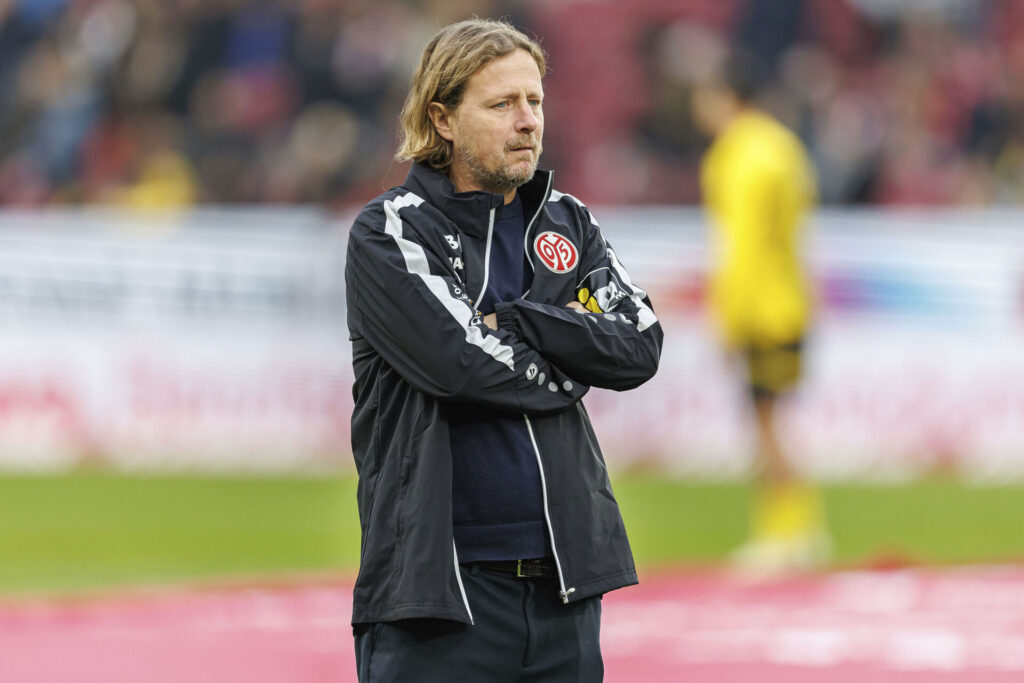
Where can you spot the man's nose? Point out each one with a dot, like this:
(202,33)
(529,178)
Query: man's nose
(527,120)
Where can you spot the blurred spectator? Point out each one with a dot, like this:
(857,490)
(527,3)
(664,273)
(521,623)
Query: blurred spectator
(250,101)
(757,187)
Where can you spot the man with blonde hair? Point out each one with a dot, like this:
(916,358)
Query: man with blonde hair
(482,306)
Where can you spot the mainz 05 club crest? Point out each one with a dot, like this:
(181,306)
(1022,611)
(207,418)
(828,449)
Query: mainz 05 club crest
(556,252)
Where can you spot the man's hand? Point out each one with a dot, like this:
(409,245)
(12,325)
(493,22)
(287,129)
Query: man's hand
(576,306)
(491,320)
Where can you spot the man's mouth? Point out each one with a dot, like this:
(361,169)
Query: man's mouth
(521,146)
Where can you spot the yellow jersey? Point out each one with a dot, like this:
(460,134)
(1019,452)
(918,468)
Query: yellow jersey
(758,185)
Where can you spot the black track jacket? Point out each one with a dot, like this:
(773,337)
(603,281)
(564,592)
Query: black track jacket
(415,266)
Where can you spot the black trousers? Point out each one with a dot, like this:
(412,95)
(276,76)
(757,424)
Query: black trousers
(521,632)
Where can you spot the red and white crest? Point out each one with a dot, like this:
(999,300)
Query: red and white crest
(555,252)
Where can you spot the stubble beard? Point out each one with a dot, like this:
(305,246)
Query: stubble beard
(504,178)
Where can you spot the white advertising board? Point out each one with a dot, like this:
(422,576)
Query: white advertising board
(913,365)
(216,340)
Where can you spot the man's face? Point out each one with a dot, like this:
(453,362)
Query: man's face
(496,130)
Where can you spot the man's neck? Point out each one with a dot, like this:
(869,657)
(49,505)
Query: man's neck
(741,108)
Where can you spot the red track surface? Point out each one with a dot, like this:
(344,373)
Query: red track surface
(913,626)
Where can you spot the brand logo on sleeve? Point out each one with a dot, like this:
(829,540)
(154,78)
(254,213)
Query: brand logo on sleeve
(556,252)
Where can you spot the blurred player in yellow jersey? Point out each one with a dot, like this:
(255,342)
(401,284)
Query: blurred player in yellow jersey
(758,184)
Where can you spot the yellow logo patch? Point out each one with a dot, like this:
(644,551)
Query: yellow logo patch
(589,302)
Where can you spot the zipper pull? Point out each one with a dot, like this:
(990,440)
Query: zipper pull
(565,595)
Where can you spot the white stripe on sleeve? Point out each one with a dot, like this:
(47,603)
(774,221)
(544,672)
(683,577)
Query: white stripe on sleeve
(645,316)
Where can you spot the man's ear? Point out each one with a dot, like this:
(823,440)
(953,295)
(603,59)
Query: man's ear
(441,117)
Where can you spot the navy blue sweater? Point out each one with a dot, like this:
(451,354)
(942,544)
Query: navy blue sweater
(497,504)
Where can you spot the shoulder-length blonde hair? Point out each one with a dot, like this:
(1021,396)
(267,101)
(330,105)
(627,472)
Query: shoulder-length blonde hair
(448,61)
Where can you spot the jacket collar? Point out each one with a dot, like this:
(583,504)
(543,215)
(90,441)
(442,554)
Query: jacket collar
(470,210)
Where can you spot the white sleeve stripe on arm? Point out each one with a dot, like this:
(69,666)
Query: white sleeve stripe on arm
(558,196)
(416,264)
(645,316)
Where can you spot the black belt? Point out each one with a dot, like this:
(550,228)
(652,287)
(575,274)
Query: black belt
(543,568)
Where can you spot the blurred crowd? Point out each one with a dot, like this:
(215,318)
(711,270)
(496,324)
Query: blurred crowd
(173,102)
(899,101)
(170,103)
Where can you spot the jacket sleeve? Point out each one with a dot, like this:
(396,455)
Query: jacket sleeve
(409,304)
(616,345)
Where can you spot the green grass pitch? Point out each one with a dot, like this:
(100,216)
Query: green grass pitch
(96,530)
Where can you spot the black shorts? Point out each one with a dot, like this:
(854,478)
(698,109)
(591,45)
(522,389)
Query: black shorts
(773,369)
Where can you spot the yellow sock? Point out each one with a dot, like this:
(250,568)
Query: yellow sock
(788,510)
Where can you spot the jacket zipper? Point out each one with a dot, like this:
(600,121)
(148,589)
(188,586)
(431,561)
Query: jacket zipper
(462,589)
(563,592)
(526,235)
(487,260)
(476,303)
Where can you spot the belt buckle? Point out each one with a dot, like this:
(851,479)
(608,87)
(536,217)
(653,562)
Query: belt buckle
(519,570)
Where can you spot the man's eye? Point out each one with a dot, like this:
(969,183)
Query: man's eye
(535,103)
(501,105)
